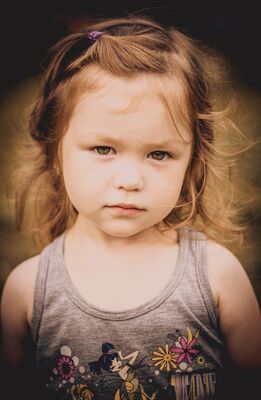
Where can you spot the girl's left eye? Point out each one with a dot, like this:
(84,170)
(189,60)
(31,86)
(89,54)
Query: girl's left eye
(103,150)
(160,155)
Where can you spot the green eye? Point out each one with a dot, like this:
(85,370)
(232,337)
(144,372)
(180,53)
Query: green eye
(103,150)
(160,155)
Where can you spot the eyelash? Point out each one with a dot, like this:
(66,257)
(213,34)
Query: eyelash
(157,151)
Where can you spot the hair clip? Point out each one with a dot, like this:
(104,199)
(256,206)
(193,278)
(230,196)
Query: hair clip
(94,35)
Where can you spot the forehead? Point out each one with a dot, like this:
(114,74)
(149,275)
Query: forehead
(148,99)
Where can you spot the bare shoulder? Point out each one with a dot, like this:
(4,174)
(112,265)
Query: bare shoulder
(222,256)
(16,309)
(239,311)
(23,275)
(19,287)
(225,272)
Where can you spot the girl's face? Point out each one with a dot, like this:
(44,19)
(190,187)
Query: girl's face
(121,148)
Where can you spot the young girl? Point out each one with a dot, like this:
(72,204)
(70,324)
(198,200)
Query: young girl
(132,298)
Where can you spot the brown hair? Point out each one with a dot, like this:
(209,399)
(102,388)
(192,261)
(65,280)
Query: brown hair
(129,46)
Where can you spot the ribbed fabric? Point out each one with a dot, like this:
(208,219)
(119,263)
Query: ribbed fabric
(168,348)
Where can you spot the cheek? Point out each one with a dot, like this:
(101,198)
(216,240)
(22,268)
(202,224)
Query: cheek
(84,185)
(169,185)
(77,173)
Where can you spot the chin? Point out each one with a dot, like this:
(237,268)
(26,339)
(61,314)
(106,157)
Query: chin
(118,234)
(122,233)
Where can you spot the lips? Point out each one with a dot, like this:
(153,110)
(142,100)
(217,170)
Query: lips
(127,206)
(125,210)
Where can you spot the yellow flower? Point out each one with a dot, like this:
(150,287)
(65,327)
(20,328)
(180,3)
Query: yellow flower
(164,358)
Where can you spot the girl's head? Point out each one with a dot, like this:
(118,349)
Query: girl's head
(140,84)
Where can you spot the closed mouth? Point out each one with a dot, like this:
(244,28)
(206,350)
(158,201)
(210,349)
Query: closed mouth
(127,206)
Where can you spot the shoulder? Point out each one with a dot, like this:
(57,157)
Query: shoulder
(16,305)
(19,288)
(239,312)
(224,270)
(23,274)
(217,253)
(221,262)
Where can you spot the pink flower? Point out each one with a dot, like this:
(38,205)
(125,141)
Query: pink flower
(185,350)
(65,367)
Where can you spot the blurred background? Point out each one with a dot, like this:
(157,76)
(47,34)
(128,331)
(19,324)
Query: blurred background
(28,30)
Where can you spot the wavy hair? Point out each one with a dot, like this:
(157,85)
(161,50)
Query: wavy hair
(130,46)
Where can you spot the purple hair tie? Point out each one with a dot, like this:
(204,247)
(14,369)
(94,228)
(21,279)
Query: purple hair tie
(94,35)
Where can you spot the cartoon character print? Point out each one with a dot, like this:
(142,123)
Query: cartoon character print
(81,392)
(129,387)
(114,376)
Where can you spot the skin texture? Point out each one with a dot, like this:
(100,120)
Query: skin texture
(129,171)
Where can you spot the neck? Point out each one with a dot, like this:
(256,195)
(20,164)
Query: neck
(86,235)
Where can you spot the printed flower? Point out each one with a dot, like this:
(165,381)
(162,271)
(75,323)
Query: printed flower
(65,367)
(164,359)
(200,361)
(185,350)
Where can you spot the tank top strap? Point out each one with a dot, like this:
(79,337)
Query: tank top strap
(196,270)
(43,271)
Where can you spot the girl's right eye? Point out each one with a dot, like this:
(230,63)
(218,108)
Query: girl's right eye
(102,150)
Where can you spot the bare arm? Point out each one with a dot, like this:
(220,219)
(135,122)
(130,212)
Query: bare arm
(16,307)
(132,357)
(240,319)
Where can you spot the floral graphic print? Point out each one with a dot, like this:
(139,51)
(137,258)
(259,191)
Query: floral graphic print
(65,367)
(164,359)
(184,347)
(180,355)
(180,362)
(177,369)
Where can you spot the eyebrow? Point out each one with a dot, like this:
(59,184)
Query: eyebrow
(116,141)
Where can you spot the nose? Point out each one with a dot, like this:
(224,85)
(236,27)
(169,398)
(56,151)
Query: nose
(128,176)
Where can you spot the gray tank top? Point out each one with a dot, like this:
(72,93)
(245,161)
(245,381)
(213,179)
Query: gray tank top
(168,348)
